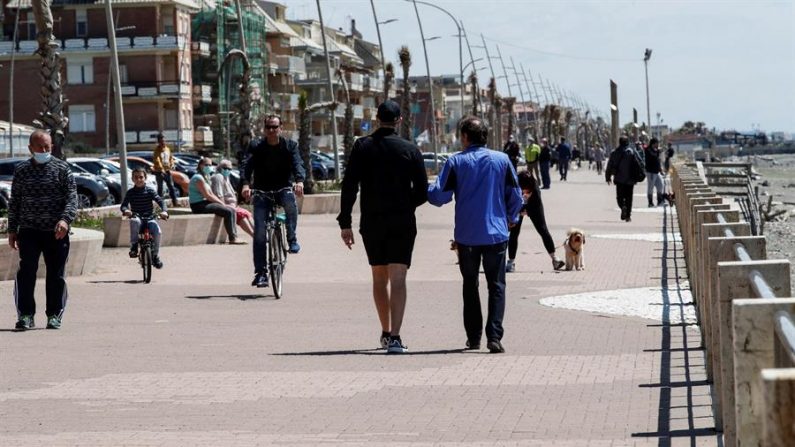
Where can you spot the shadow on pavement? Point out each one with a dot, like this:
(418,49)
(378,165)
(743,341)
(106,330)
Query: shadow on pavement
(676,396)
(375,351)
(128,281)
(228,297)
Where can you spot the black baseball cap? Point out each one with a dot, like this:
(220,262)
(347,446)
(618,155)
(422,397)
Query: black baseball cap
(388,112)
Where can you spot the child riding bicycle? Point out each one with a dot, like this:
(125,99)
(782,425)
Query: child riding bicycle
(137,203)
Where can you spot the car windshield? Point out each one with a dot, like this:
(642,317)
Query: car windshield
(112,167)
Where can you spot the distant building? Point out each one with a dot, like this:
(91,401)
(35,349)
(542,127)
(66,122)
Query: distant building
(154,42)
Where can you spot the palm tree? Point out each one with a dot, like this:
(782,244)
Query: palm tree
(509,102)
(304,113)
(347,126)
(473,81)
(498,101)
(389,79)
(51,117)
(405,62)
(492,94)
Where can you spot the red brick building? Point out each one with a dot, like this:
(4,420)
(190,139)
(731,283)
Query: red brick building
(154,43)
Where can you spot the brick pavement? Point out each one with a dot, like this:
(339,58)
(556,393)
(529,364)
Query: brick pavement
(200,358)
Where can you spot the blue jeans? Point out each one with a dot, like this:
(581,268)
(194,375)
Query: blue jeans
(262,210)
(545,174)
(469,258)
(154,228)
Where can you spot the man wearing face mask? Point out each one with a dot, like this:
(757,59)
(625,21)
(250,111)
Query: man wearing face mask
(42,207)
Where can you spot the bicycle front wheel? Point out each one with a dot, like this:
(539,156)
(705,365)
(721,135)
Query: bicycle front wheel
(146,263)
(276,260)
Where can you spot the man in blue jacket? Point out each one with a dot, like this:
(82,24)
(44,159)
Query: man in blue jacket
(564,157)
(487,203)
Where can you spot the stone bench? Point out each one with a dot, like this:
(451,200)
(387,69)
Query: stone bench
(84,250)
(182,228)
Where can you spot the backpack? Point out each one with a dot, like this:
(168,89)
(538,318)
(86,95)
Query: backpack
(638,168)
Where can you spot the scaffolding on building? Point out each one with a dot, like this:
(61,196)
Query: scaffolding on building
(218,25)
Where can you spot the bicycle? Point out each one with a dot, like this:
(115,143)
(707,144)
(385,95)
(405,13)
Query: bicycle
(146,242)
(276,247)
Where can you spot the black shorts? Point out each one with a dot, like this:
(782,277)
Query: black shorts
(388,239)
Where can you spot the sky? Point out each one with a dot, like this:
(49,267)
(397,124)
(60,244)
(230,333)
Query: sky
(729,64)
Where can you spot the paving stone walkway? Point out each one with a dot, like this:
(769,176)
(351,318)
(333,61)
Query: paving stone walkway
(199,357)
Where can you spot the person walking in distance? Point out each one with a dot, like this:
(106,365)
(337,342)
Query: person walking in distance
(487,203)
(276,165)
(544,160)
(564,157)
(625,169)
(599,158)
(391,174)
(162,164)
(531,154)
(653,173)
(42,207)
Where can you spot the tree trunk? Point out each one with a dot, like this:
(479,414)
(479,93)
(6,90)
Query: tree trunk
(51,117)
(405,106)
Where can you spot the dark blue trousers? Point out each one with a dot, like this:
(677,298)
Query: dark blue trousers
(469,260)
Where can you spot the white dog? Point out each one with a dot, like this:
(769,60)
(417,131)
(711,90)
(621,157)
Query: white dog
(575,240)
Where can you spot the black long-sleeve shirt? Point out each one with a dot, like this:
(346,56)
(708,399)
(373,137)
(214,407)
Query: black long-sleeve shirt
(41,195)
(273,166)
(391,173)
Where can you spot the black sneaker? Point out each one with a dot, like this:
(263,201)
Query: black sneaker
(396,346)
(557,264)
(262,281)
(255,280)
(156,262)
(134,250)
(495,347)
(25,322)
(54,322)
(624,213)
(473,345)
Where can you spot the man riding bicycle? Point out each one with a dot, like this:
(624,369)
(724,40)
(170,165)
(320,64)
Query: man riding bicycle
(275,164)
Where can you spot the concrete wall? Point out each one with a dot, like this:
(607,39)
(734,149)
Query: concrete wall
(84,250)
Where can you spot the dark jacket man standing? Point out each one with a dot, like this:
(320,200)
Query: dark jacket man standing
(42,207)
(391,174)
(624,166)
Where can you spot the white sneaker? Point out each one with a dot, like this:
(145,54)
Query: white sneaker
(510,266)
(396,347)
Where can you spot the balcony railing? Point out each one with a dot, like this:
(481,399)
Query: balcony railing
(101,44)
(167,89)
(290,64)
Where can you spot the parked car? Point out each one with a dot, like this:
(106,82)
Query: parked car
(326,160)
(5,194)
(111,171)
(91,190)
(428,159)
(113,187)
(181,180)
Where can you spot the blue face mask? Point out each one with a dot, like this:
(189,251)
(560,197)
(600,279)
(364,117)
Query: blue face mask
(42,157)
(207,170)
(226,172)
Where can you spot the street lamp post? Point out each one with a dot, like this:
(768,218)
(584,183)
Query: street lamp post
(107,94)
(380,44)
(430,88)
(460,47)
(114,57)
(332,111)
(646,57)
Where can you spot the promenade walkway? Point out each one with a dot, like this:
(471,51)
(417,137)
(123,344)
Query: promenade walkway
(199,357)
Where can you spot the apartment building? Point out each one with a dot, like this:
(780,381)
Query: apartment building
(154,44)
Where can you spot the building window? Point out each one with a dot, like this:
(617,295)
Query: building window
(168,24)
(80,71)
(82,119)
(81,23)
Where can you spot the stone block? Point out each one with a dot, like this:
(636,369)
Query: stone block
(180,229)
(734,283)
(84,249)
(752,325)
(779,418)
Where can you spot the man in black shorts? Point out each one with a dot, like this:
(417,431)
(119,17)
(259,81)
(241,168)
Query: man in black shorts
(392,176)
